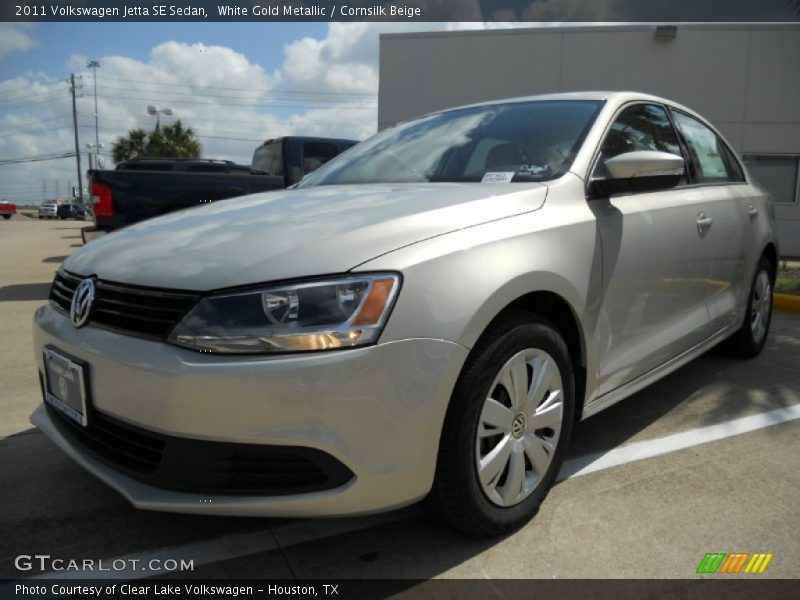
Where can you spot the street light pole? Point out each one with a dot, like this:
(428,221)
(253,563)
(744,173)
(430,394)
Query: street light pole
(93,64)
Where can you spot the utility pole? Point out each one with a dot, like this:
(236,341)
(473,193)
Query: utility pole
(44,190)
(75,127)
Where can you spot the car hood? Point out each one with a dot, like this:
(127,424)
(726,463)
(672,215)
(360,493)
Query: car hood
(293,233)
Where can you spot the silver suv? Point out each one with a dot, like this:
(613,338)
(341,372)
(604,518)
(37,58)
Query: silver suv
(427,314)
(48,210)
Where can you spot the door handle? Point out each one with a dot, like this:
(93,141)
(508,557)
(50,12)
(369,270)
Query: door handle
(703,222)
(752,210)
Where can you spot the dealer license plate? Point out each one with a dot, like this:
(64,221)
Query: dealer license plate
(65,384)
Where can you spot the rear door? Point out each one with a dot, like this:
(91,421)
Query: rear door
(727,208)
(655,261)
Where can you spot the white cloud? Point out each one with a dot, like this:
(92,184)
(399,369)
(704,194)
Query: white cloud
(14,37)
(221,93)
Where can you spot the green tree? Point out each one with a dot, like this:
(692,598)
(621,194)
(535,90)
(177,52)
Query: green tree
(133,145)
(170,141)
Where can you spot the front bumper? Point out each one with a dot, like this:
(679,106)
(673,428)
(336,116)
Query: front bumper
(377,410)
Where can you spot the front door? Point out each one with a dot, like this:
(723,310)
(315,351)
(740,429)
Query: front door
(656,261)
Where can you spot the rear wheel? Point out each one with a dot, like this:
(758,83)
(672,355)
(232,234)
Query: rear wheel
(509,421)
(751,337)
(6,217)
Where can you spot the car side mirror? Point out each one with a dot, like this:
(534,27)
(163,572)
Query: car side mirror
(639,171)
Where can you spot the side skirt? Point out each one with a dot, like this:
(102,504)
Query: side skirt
(641,382)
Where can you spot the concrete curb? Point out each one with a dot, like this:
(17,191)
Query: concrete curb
(786,303)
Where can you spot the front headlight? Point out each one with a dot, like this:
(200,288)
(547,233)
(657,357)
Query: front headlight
(316,315)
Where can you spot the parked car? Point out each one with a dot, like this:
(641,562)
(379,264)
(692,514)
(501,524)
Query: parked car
(428,314)
(48,210)
(71,211)
(143,188)
(7,209)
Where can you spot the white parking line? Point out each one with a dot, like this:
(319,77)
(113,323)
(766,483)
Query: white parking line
(247,544)
(590,463)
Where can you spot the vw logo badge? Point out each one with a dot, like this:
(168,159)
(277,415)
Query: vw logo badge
(82,301)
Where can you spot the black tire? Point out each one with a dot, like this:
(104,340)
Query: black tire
(457,493)
(745,343)
(6,217)
(41,217)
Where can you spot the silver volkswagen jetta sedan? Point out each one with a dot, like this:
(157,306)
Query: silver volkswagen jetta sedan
(427,315)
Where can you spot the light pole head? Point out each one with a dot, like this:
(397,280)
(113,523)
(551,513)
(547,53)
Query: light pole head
(166,111)
(92,64)
(152,109)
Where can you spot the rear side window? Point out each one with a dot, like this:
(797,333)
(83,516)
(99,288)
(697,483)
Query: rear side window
(316,154)
(712,161)
(269,158)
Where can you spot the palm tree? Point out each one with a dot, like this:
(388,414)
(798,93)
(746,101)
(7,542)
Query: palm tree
(170,141)
(133,145)
(174,141)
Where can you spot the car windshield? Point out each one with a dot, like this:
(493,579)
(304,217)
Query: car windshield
(514,141)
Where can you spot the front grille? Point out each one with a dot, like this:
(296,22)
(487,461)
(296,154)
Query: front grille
(150,312)
(203,467)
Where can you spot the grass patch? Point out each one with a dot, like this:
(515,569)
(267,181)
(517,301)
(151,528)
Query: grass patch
(788,280)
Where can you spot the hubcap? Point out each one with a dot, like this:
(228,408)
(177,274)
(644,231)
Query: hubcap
(519,427)
(760,306)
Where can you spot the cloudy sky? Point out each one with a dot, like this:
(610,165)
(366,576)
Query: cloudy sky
(235,84)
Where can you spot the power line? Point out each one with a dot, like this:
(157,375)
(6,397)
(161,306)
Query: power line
(122,131)
(36,121)
(273,94)
(27,104)
(37,131)
(245,105)
(265,90)
(21,93)
(22,100)
(40,158)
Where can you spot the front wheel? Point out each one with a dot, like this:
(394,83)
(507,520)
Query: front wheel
(6,217)
(509,421)
(751,337)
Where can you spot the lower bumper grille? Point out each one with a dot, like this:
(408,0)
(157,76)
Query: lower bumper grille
(203,467)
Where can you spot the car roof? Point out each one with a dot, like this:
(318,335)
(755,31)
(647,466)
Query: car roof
(615,98)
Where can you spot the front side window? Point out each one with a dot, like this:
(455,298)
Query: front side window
(512,142)
(712,162)
(639,127)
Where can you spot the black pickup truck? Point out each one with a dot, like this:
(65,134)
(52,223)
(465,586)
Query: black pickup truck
(143,188)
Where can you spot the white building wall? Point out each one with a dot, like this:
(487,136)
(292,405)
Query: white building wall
(744,79)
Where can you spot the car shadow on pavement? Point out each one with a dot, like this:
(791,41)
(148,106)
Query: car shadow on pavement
(24,291)
(54,259)
(55,507)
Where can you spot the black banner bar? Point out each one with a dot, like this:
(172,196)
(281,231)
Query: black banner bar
(741,588)
(544,11)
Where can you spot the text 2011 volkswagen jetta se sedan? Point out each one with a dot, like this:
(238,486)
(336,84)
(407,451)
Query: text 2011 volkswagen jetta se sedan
(429,313)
